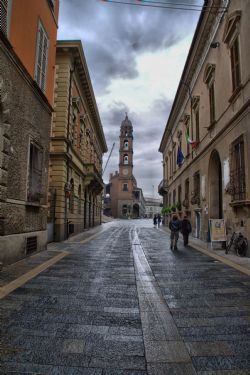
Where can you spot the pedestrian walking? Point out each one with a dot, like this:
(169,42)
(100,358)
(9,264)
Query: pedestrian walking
(175,227)
(186,229)
(159,220)
(155,220)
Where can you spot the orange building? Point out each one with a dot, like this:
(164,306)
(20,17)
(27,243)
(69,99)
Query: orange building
(28,30)
(31,27)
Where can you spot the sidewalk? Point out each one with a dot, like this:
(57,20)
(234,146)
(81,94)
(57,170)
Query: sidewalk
(15,275)
(240,263)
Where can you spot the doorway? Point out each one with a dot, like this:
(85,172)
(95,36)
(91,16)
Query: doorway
(215,186)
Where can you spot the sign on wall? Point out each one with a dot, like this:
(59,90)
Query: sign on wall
(217,230)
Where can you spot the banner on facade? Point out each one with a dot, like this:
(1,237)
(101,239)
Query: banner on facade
(217,230)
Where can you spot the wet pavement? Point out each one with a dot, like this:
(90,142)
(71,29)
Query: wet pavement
(123,303)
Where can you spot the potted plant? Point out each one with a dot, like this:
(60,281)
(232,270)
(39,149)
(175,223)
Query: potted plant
(178,206)
(173,208)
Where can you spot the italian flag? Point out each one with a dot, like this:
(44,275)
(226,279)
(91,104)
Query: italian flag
(193,144)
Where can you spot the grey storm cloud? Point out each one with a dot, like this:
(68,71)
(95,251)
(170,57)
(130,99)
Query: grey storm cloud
(113,35)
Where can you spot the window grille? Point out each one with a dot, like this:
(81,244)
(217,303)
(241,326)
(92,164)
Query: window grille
(3,15)
(35,174)
(237,169)
(41,57)
(235,64)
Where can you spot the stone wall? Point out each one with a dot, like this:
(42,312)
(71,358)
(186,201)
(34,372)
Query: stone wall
(25,115)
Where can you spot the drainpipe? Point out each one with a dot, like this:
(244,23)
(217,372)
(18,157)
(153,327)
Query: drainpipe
(66,223)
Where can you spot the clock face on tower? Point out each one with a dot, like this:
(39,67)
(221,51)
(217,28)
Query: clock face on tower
(125,172)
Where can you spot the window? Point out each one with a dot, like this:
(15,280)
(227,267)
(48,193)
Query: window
(174,158)
(125,145)
(125,187)
(196,193)
(174,196)
(195,107)
(166,168)
(237,169)
(79,199)
(186,200)
(71,198)
(187,126)
(41,57)
(34,173)
(3,15)
(209,77)
(235,64)
(179,194)
(231,38)
(125,159)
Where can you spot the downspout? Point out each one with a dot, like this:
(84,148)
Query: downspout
(66,230)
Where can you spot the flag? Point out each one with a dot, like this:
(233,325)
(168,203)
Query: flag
(193,144)
(180,157)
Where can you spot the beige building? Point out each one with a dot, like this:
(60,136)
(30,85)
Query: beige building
(77,147)
(209,123)
(153,206)
(126,199)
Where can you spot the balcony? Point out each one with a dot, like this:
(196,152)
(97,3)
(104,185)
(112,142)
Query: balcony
(163,187)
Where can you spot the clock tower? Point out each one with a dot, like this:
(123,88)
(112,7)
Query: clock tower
(126,199)
(126,150)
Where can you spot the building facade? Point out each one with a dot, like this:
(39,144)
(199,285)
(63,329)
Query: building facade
(77,147)
(27,58)
(126,199)
(153,206)
(209,124)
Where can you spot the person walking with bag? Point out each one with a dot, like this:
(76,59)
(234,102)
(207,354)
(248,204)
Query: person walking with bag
(155,220)
(159,220)
(175,227)
(186,229)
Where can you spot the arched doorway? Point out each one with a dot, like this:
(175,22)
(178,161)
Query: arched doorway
(136,210)
(215,186)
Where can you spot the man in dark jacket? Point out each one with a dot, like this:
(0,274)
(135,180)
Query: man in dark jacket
(186,229)
(175,227)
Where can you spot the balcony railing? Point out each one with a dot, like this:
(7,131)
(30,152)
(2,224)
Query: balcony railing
(163,187)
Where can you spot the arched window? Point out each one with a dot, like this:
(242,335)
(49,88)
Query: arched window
(125,159)
(124,210)
(125,145)
(79,198)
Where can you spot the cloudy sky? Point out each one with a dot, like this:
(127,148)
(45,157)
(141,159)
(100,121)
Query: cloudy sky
(135,57)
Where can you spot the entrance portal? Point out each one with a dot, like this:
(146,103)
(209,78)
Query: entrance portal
(136,211)
(215,186)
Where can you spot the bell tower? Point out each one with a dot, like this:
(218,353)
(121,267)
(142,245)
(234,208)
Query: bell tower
(126,149)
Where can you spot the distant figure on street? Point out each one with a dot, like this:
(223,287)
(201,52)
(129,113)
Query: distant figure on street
(155,221)
(175,227)
(159,220)
(186,229)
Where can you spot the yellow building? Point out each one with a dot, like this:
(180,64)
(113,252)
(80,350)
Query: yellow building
(76,149)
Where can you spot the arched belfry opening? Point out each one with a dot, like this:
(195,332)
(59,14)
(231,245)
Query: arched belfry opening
(215,186)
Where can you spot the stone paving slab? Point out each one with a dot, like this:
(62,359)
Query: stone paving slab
(125,304)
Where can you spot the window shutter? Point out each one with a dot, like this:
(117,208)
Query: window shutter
(3,15)
(42,57)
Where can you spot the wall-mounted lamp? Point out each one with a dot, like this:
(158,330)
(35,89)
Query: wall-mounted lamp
(214,45)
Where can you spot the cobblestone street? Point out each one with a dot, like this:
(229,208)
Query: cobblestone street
(123,303)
